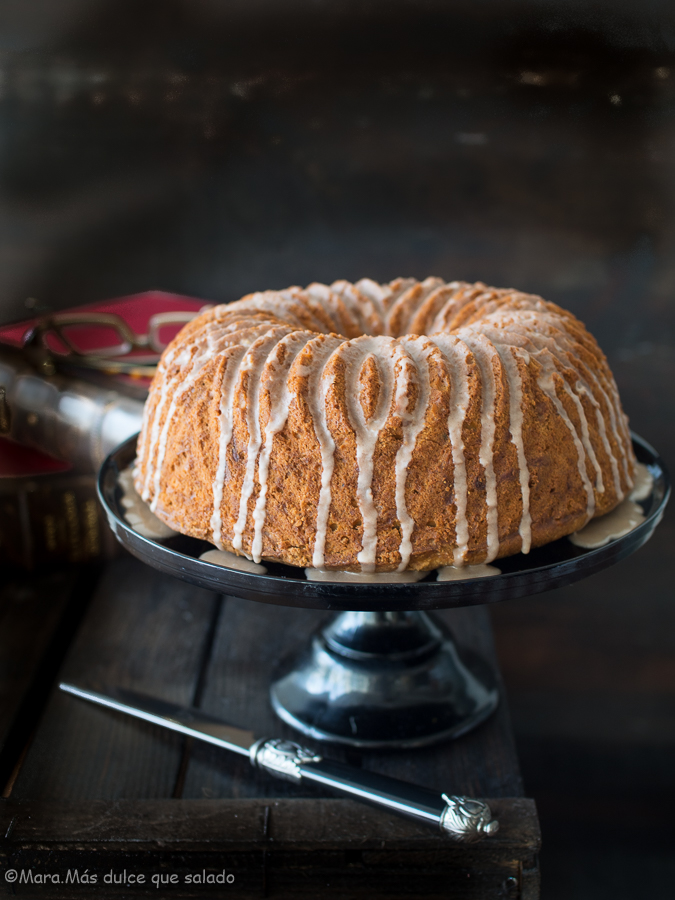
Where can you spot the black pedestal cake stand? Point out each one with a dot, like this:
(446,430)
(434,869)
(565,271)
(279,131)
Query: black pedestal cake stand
(383,672)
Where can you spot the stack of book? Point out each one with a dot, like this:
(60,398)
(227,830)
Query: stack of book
(72,387)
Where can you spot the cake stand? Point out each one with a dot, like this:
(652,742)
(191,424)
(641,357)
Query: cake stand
(382,673)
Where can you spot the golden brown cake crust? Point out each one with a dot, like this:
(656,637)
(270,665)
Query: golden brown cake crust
(414,424)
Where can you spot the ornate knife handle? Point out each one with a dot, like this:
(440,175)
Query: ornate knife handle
(282,758)
(466,819)
(461,818)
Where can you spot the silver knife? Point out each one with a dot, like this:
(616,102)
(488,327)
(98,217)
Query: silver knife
(461,818)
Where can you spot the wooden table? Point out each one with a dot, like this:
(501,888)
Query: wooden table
(86,789)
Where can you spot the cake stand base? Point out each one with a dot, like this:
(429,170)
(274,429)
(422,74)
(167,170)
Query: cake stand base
(384,679)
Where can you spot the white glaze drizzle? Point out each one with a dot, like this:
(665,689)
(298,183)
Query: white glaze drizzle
(231,561)
(137,512)
(430,287)
(323,349)
(586,436)
(547,384)
(561,348)
(418,350)
(434,300)
(509,357)
(560,342)
(544,352)
(417,293)
(386,352)
(205,345)
(583,390)
(225,424)
(615,524)
(191,361)
(617,420)
(361,306)
(280,400)
(235,356)
(378,294)
(332,575)
(253,363)
(198,361)
(463,573)
(153,427)
(484,354)
(334,306)
(609,392)
(541,343)
(643,484)
(281,305)
(321,311)
(167,361)
(455,354)
(459,298)
(546,329)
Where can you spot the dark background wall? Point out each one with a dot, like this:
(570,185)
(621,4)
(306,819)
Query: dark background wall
(213,149)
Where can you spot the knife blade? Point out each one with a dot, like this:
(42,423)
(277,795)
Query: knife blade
(461,818)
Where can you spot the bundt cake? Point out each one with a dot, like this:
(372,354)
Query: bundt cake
(383,427)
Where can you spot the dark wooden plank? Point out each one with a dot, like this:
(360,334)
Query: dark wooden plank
(250,641)
(300,823)
(39,615)
(284,848)
(30,609)
(144,631)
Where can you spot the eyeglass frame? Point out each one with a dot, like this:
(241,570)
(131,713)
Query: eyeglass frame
(107,357)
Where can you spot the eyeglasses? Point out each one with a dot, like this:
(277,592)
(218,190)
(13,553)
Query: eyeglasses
(104,338)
